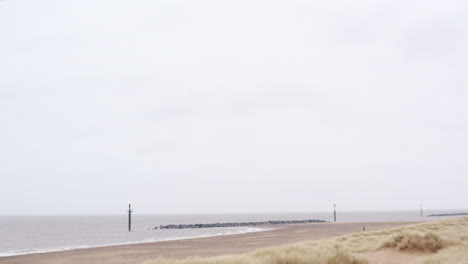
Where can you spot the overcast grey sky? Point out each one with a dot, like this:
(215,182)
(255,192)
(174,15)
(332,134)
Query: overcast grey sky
(183,106)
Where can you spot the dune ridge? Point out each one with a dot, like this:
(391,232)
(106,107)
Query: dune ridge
(438,242)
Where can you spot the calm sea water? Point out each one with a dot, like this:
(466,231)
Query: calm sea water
(34,234)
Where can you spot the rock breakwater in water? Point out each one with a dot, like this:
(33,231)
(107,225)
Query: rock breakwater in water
(454,214)
(236,224)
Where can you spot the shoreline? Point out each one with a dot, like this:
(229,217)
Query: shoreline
(144,241)
(201,246)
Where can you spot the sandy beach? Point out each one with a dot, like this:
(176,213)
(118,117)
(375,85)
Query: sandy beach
(210,246)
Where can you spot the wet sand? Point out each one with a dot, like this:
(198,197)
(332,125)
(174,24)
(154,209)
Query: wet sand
(209,246)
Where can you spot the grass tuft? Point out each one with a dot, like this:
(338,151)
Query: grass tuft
(417,242)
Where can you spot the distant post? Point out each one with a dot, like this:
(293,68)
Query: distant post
(421,211)
(129,217)
(334,212)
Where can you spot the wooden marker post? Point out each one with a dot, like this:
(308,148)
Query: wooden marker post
(334,212)
(129,217)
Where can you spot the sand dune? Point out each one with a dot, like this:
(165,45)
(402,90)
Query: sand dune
(426,243)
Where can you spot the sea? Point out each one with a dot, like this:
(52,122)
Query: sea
(39,234)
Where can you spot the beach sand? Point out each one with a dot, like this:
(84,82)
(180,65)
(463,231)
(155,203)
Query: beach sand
(210,246)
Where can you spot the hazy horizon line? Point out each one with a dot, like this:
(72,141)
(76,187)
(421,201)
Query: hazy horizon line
(232,213)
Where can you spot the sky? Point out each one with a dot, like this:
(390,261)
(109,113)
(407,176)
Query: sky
(180,106)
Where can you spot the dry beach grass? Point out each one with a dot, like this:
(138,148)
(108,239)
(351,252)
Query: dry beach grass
(425,243)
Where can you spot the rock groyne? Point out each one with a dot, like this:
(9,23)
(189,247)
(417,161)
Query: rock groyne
(454,214)
(236,224)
